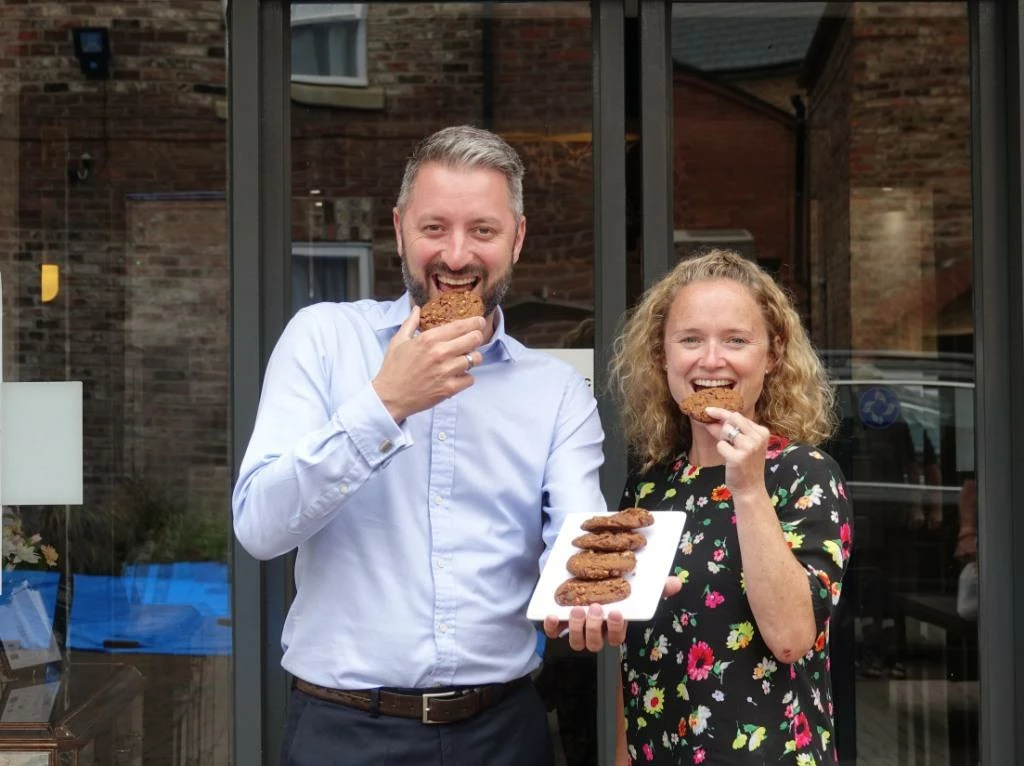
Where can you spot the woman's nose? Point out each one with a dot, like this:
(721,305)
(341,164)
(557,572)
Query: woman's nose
(712,355)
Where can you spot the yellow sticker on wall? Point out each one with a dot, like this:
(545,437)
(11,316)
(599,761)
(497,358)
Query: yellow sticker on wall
(49,284)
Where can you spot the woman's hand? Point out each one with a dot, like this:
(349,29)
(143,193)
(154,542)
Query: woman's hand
(742,443)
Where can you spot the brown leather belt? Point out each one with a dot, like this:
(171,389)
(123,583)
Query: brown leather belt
(428,707)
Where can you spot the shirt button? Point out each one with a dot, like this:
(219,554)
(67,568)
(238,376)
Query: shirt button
(443,628)
(440,563)
(344,488)
(437,500)
(385,446)
(442,436)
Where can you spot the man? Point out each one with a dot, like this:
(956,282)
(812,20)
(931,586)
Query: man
(421,475)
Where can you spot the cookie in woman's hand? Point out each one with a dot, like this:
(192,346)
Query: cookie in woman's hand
(695,404)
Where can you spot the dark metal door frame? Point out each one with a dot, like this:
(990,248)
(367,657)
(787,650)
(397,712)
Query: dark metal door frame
(259,214)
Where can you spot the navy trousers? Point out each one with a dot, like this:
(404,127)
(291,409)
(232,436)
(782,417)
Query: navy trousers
(512,733)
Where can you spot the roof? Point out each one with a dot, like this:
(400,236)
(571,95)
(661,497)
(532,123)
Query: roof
(734,37)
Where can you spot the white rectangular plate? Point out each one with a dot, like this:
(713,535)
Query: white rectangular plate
(653,565)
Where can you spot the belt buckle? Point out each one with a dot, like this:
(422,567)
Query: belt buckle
(426,704)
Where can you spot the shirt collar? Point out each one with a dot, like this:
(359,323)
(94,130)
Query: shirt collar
(500,348)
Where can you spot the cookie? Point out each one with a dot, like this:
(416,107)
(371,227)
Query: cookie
(611,541)
(693,405)
(591,565)
(447,307)
(576,592)
(626,519)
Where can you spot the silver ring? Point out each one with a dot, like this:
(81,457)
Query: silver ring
(469,361)
(731,432)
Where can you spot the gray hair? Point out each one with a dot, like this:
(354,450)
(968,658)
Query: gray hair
(464,146)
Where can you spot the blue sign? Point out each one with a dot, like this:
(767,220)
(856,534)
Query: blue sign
(879,407)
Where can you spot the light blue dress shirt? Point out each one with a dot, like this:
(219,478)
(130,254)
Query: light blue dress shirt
(418,543)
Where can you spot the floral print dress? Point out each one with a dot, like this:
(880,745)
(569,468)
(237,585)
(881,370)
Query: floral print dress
(699,683)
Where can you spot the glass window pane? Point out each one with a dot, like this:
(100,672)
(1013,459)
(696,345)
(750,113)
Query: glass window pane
(114,614)
(523,70)
(830,142)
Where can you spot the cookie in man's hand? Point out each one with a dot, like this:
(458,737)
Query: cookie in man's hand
(447,307)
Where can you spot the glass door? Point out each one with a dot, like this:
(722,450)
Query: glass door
(833,148)
(833,143)
(364,90)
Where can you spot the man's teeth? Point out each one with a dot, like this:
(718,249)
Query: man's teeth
(455,283)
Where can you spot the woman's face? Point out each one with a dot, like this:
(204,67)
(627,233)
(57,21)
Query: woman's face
(715,335)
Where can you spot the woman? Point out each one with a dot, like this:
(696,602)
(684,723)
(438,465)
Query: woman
(734,669)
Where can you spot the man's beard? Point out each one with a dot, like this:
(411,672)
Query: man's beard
(420,291)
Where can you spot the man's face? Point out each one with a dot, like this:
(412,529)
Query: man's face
(458,233)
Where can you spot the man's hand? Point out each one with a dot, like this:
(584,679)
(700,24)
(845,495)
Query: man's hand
(421,370)
(589,629)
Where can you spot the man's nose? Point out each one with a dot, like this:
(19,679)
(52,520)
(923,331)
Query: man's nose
(459,253)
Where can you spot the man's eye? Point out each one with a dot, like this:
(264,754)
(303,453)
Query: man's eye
(484,231)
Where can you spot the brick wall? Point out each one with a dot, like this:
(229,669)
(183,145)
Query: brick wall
(907,125)
(150,128)
(9,134)
(828,162)
(540,86)
(735,167)
(176,346)
(541,101)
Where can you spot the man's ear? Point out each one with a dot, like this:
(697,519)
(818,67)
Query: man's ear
(517,246)
(396,220)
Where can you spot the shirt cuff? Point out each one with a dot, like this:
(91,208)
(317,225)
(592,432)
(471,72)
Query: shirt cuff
(370,427)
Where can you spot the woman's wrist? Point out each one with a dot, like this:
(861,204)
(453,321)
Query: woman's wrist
(750,497)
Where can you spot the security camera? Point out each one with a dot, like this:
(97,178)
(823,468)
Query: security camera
(79,172)
(84,166)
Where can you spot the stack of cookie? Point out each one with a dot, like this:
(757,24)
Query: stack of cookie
(598,570)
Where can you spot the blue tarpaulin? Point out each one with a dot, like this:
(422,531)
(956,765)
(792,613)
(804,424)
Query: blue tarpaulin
(177,608)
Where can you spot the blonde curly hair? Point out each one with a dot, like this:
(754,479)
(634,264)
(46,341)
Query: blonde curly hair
(797,400)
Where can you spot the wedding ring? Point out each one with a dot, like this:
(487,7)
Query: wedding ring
(469,361)
(731,432)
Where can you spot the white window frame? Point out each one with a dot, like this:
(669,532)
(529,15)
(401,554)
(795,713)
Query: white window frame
(311,14)
(360,252)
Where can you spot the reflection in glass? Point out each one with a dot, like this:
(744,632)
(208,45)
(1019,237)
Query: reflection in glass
(520,69)
(329,43)
(115,622)
(831,144)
